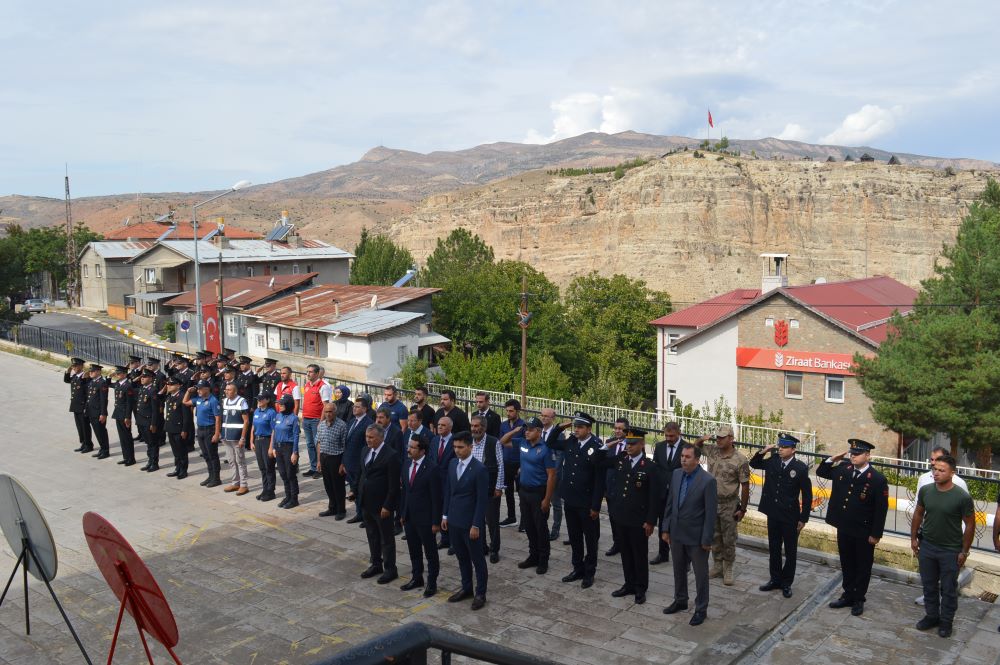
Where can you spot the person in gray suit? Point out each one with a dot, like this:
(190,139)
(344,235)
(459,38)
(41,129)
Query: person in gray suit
(688,528)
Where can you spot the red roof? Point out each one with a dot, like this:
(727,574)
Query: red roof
(183,231)
(240,292)
(708,312)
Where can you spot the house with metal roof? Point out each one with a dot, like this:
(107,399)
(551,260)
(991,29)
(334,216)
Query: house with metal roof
(357,332)
(106,274)
(783,348)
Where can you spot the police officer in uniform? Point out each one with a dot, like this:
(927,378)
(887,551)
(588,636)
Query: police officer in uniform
(160,383)
(246,381)
(537,467)
(97,409)
(787,501)
(269,377)
(184,373)
(634,501)
(176,424)
(77,380)
(149,419)
(122,414)
(859,501)
(582,487)
(134,369)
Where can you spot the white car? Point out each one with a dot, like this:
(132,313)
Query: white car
(33,305)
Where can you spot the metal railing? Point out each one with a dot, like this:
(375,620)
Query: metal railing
(91,348)
(409,645)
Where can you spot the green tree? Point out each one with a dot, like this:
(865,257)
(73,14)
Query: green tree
(607,386)
(378,261)
(43,249)
(413,373)
(546,377)
(939,367)
(488,371)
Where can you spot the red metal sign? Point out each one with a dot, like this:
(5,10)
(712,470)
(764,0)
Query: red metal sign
(781,333)
(796,361)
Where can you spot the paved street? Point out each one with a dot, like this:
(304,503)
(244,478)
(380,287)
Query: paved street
(250,583)
(76,324)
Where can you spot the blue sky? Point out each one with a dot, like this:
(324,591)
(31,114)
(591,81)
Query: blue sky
(185,96)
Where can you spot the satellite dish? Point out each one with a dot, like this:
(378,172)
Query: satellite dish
(374,301)
(270,284)
(125,223)
(17,509)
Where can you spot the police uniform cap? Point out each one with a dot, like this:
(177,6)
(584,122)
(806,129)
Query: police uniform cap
(152,361)
(147,373)
(787,440)
(270,361)
(135,359)
(263,396)
(860,446)
(204,384)
(229,351)
(229,368)
(245,360)
(76,361)
(173,381)
(533,423)
(120,369)
(581,418)
(95,367)
(635,435)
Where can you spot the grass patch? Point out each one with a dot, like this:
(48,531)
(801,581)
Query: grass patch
(26,352)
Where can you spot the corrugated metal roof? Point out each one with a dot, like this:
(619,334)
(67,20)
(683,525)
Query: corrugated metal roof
(118,249)
(371,321)
(153,295)
(152,231)
(239,292)
(261,250)
(708,312)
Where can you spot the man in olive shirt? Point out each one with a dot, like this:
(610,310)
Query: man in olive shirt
(941,510)
(731,470)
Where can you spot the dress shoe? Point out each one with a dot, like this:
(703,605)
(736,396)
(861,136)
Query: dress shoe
(573,577)
(354,520)
(362,525)
(770,586)
(508,522)
(613,551)
(244,490)
(451,551)
(587,583)
(144,468)
(284,502)
(430,590)
(658,559)
(527,563)
(542,568)
(622,592)
(78,450)
(182,475)
(928,622)
(944,630)
(213,482)
(459,596)
(404,537)
(494,557)
(172,474)
(339,516)
(857,609)
(675,607)
(478,603)
(268,497)
(206,481)
(387,576)
(121,461)
(441,546)
(153,468)
(786,591)
(414,583)
(566,542)
(697,618)
(131,462)
(259,496)
(231,488)
(398,530)
(86,449)
(327,513)
(553,537)
(102,455)
(371,571)
(294,503)
(640,598)
(840,602)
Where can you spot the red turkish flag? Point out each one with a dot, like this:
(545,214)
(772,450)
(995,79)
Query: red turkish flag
(710,123)
(213,337)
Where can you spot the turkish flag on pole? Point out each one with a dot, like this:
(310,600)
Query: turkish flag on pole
(710,123)
(210,316)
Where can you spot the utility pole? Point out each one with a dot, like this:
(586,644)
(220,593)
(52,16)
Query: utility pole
(72,262)
(222,327)
(524,320)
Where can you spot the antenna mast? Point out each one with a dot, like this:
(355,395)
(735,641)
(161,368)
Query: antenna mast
(72,266)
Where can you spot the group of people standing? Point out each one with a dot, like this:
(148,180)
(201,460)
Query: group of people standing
(440,478)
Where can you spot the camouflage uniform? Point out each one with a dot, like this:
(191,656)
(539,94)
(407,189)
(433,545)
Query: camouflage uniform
(730,472)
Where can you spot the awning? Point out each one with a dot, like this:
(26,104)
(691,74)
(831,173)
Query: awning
(430,339)
(155,296)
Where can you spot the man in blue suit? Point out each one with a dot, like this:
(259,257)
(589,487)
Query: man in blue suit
(442,453)
(354,450)
(467,491)
(420,511)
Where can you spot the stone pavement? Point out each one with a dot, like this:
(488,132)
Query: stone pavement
(251,583)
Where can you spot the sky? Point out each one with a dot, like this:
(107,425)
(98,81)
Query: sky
(192,96)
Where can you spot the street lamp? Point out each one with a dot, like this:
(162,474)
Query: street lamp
(197,266)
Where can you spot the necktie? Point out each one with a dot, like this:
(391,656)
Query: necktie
(670,453)
(413,472)
(684,489)
(857,474)
(441,448)
(371,458)
(461,470)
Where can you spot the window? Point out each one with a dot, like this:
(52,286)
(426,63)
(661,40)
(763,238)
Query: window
(401,353)
(309,267)
(671,398)
(231,328)
(97,270)
(769,322)
(150,275)
(793,385)
(149,308)
(86,270)
(835,389)
(259,341)
(295,269)
(793,323)
(671,338)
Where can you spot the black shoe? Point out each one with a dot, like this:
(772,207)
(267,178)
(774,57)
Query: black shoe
(153,468)
(697,618)
(430,590)
(339,516)
(451,551)
(144,468)
(294,503)
(928,622)
(658,559)
(840,602)
(327,513)
(398,530)
(508,522)
(103,455)
(613,551)
(553,536)
(857,609)
(354,520)
(371,571)
(172,474)
(459,596)
(78,450)
(308,474)
(182,475)
(786,591)
(770,586)
(573,577)
(527,563)
(622,592)
(387,576)
(268,497)
(256,497)
(494,557)
(478,603)
(213,482)
(131,462)
(542,568)
(566,542)
(121,461)
(441,546)
(675,607)
(414,583)
(206,481)
(86,449)
(284,502)
(944,630)
(362,525)
(520,529)
(587,583)
(640,598)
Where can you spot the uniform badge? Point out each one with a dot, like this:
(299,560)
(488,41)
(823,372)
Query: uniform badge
(791,474)
(538,450)
(524,449)
(590,451)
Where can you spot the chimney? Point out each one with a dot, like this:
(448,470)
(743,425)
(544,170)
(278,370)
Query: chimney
(298,305)
(293,239)
(220,239)
(774,272)
(336,309)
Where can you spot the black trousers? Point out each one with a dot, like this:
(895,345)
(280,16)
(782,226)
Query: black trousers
(266,463)
(152,441)
(381,539)
(289,472)
(492,525)
(100,431)
(584,534)
(513,484)
(210,451)
(83,429)
(125,440)
(856,559)
(333,482)
(470,558)
(633,543)
(664,549)
(782,534)
(420,543)
(178,446)
(535,523)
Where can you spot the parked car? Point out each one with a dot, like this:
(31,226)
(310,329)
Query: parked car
(33,305)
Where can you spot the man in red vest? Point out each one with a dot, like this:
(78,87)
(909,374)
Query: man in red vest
(315,393)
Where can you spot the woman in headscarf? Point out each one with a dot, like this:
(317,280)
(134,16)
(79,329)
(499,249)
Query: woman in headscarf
(260,442)
(342,402)
(285,449)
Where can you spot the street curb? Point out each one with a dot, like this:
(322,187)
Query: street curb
(124,331)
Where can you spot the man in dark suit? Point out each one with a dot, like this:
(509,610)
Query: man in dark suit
(442,453)
(667,456)
(859,501)
(416,427)
(354,451)
(420,511)
(484,409)
(394,439)
(615,446)
(689,527)
(464,516)
(787,502)
(378,494)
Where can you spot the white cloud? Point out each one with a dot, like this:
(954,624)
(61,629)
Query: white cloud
(866,124)
(794,132)
(619,110)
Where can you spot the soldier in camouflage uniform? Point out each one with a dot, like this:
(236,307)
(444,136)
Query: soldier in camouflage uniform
(731,470)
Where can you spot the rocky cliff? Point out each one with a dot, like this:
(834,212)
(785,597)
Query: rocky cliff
(695,227)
